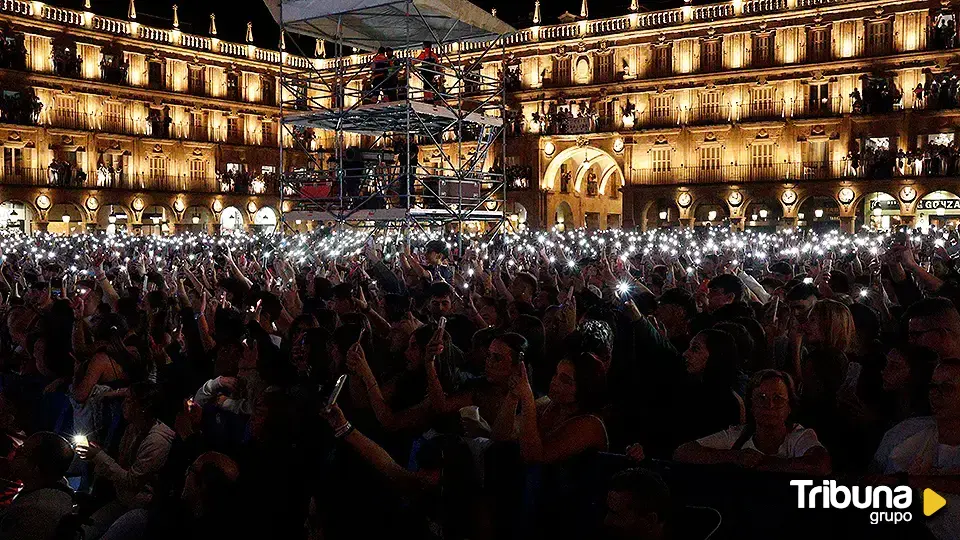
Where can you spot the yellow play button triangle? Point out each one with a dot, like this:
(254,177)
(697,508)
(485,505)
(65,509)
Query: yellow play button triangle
(932,502)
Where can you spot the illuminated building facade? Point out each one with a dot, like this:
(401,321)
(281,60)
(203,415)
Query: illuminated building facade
(109,124)
(763,113)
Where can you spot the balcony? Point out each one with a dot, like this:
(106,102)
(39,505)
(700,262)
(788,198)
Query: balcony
(709,114)
(43,177)
(866,169)
(761,110)
(817,108)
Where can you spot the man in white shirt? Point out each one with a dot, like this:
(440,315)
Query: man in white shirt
(45,499)
(927,449)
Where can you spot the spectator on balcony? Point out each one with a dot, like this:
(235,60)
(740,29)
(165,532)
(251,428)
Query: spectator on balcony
(857,100)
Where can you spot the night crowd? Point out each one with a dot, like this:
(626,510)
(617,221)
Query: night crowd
(583,384)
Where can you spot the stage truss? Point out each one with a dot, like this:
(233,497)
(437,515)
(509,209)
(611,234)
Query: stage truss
(415,148)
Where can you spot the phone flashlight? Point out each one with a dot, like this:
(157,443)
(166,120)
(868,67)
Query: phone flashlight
(808,280)
(80,440)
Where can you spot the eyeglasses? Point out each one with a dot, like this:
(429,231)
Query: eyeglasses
(775,400)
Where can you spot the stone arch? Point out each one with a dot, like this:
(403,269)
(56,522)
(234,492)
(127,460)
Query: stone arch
(16,214)
(661,212)
(940,208)
(76,224)
(829,208)
(702,207)
(564,215)
(877,210)
(578,155)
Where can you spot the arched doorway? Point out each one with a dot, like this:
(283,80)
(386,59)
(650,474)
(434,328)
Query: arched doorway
(763,215)
(939,209)
(65,218)
(662,213)
(709,212)
(819,213)
(16,216)
(516,216)
(584,169)
(113,218)
(265,220)
(231,219)
(196,219)
(564,216)
(878,211)
(155,220)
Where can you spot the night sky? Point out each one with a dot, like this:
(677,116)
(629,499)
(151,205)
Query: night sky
(233,15)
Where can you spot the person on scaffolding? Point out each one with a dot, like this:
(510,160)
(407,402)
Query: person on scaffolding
(392,84)
(380,67)
(430,72)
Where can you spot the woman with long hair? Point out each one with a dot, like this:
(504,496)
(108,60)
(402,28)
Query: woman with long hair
(708,400)
(770,440)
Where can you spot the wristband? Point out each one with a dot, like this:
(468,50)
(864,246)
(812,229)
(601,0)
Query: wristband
(343,430)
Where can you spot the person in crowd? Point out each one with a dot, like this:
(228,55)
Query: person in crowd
(41,509)
(771,440)
(906,378)
(639,506)
(143,452)
(723,290)
(935,323)
(565,423)
(925,450)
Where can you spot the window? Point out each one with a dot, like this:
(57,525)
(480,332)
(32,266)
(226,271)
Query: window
(12,162)
(65,112)
(199,126)
(603,68)
(269,133)
(818,99)
(158,167)
(234,168)
(593,184)
(196,84)
(763,50)
(761,103)
(268,169)
(761,159)
(565,177)
(660,159)
(561,71)
(879,37)
(708,108)
(613,221)
(711,55)
(233,86)
(661,109)
(268,90)
(155,78)
(198,172)
(818,45)
(113,118)
(662,60)
(816,155)
(234,129)
(710,157)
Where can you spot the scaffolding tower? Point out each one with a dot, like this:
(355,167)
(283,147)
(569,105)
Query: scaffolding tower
(413,133)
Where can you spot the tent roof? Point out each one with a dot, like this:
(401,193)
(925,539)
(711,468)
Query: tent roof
(369,24)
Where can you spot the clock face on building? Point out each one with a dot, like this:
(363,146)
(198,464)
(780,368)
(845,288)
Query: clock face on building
(684,200)
(846,195)
(789,196)
(908,194)
(735,198)
(618,145)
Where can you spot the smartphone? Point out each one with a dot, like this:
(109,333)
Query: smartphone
(335,393)
(442,324)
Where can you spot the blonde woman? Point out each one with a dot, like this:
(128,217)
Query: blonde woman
(828,380)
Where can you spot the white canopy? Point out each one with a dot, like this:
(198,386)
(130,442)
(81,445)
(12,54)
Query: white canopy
(399,24)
